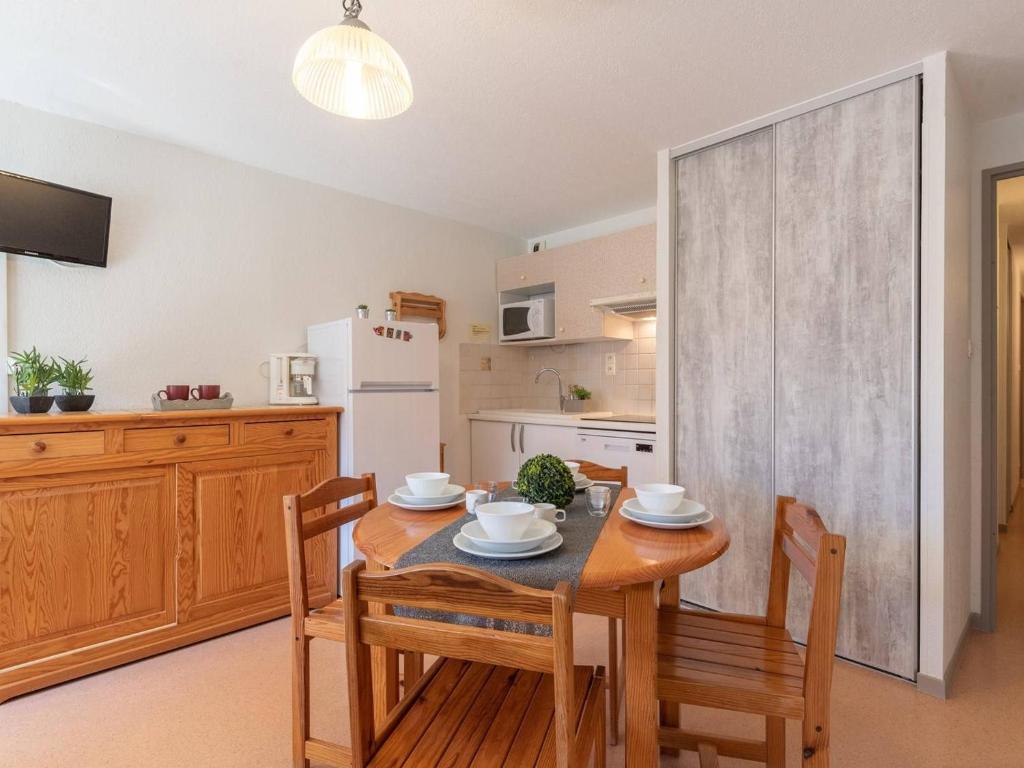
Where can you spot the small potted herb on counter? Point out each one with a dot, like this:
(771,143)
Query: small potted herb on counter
(74,380)
(33,375)
(578,400)
(362,311)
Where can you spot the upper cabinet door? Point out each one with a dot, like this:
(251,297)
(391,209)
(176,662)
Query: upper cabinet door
(723,332)
(845,383)
(525,271)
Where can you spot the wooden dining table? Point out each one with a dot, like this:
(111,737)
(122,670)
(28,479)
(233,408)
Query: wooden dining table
(620,579)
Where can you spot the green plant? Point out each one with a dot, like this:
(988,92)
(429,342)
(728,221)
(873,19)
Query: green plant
(33,373)
(73,378)
(579,393)
(544,479)
(362,306)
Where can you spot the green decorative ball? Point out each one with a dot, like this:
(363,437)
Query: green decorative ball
(544,479)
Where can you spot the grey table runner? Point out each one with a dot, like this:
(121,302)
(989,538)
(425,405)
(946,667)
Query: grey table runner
(579,533)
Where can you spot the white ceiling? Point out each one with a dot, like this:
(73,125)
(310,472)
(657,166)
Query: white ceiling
(529,117)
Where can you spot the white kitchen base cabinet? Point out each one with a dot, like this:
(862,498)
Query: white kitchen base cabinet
(500,447)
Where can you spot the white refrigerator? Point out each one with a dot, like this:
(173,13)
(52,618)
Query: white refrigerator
(385,375)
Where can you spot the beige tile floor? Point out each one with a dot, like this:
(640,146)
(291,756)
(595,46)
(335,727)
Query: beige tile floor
(225,703)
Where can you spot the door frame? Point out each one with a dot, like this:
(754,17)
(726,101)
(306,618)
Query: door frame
(990,177)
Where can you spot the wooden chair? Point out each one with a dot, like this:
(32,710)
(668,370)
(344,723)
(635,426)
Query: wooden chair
(620,476)
(327,622)
(493,697)
(750,663)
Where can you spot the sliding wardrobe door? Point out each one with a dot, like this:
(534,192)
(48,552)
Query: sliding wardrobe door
(845,351)
(723,375)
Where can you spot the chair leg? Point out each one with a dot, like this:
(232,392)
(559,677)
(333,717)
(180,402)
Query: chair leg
(300,700)
(600,750)
(613,681)
(412,669)
(669,715)
(775,738)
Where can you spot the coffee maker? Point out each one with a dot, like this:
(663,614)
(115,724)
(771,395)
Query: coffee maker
(291,378)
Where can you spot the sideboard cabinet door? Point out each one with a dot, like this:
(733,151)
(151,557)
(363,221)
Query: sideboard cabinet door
(84,558)
(231,547)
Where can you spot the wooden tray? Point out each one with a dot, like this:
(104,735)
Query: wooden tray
(159,404)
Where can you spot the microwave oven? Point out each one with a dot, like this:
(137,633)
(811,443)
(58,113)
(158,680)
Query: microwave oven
(527,319)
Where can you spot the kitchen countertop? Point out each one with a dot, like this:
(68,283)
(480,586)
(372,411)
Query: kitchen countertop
(57,418)
(554,418)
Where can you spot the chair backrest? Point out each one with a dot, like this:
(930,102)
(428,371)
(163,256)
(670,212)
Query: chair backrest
(297,531)
(604,474)
(801,540)
(461,590)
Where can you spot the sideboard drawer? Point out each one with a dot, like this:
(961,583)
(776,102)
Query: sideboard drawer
(53,445)
(183,438)
(286,434)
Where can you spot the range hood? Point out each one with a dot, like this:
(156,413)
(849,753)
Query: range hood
(632,306)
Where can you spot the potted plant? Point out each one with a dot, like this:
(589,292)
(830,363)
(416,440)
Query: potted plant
(545,479)
(578,400)
(362,311)
(33,375)
(74,379)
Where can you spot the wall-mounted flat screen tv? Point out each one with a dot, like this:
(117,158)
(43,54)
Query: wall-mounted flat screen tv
(42,219)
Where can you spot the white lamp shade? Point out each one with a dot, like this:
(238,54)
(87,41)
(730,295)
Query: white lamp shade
(350,71)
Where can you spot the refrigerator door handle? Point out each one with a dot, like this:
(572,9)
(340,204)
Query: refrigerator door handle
(522,445)
(396,385)
(512,438)
(388,390)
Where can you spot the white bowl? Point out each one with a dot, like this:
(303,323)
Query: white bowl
(505,520)
(427,484)
(660,498)
(537,532)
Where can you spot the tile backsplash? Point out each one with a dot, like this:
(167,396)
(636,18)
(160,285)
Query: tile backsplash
(501,376)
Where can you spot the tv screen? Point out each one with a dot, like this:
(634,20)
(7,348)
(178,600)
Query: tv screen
(42,219)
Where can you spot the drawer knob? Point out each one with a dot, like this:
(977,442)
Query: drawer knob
(38,446)
(522,277)
(289,432)
(643,279)
(180,439)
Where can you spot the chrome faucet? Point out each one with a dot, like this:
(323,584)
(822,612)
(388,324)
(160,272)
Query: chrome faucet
(561,394)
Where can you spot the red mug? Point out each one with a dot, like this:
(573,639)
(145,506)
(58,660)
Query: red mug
(206,392)
(174,392)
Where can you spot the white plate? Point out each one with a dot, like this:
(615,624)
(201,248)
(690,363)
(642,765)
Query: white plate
(686,512)
(536,533)
(584,484)
(551,543)
(578,477)
(399,502)
(450,492)
(704,519)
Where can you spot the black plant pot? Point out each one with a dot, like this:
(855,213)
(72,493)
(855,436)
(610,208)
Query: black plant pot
(75,402)
(32,403)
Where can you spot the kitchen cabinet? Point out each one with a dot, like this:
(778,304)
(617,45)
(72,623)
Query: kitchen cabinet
(498,448)
(612,265)
(123,535)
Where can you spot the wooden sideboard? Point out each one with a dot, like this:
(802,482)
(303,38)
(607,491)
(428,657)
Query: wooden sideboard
(123,535)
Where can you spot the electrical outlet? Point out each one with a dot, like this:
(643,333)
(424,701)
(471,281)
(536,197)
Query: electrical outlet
(609,364)
(485,363)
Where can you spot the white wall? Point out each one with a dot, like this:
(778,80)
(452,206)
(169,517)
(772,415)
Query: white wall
(945,379)
(993,144)
(214,264)
(596,228)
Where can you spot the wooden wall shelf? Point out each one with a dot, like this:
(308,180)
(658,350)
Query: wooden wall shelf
(409,304)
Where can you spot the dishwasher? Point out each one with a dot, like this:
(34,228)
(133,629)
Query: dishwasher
(618,448)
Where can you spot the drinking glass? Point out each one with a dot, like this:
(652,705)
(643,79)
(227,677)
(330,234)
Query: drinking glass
(598,497)
(492,489)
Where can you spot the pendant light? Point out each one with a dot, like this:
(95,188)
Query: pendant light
(350,71)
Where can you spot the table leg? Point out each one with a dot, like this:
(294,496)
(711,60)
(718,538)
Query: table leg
(385,666)
(641,626)
(669,711)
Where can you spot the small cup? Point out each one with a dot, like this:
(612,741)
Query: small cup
(598,499)
(174,392)
(548,512)
(206,392)
(476,497)
(574,467)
